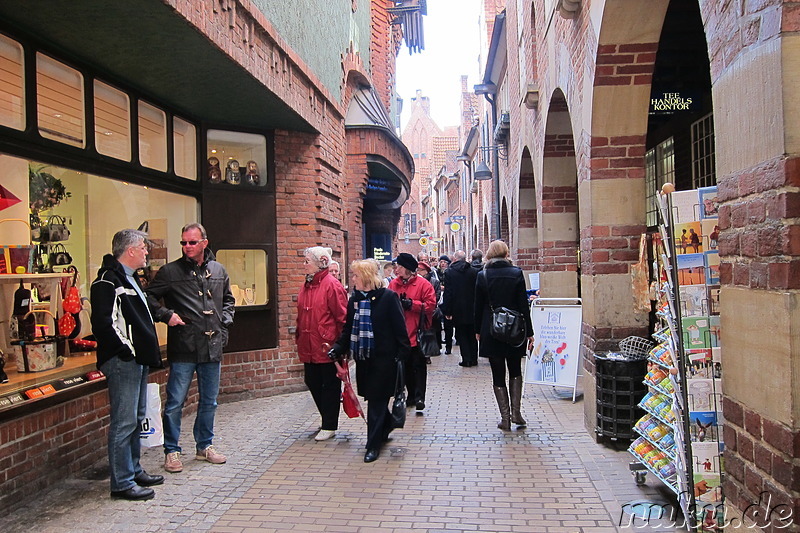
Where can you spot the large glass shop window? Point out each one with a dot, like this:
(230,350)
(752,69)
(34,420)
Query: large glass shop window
(236,159)
(81,215)
(59,89)
(12,94)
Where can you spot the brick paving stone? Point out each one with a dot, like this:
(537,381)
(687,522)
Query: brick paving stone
(450,469)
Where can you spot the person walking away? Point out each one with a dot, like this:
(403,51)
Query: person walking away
(424,270)
(127,347)
(477,259)
(192,295)
(458,304)
(321,312)
(417,298)
(375,336)
(501,284)
(443,324)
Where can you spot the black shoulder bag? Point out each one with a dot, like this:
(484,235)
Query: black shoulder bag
(507,325)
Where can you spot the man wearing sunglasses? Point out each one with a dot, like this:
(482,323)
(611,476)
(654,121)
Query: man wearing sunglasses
(192,295)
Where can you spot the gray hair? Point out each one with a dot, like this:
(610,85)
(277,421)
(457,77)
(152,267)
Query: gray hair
(459,255)
(124,239)
(195,225)
(319,255)
(477,255)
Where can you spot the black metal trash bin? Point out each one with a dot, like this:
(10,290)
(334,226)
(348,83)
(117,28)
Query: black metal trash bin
(620,388)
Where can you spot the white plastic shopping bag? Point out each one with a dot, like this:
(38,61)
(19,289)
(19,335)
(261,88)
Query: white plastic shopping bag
(152,433)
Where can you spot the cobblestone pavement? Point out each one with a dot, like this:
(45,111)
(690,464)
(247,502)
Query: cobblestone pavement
(449,469)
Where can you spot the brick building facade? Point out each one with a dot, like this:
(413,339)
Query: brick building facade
(576,79)
(314,107)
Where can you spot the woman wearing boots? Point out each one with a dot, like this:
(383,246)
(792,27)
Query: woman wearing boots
(500,284)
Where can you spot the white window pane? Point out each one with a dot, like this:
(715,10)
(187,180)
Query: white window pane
(236,158)
(184,138)
(59,90)
(152,137)
(12,86)
(112,121)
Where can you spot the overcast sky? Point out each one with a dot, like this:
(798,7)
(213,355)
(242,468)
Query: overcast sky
(452,34)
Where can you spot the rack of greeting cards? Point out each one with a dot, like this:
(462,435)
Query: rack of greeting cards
(680,441)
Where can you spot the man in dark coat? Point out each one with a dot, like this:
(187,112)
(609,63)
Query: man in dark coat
(458,303)
(477,259)
(127,347)
(198,307)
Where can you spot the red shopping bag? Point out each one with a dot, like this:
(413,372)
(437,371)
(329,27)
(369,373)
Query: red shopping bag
(349,399)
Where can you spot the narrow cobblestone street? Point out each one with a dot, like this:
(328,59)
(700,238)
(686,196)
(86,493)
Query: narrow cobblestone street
(450,469)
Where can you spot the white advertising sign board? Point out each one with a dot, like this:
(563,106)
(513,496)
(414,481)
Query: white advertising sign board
(556,355)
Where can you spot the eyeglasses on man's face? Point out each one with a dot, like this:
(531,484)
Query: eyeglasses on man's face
(191,243)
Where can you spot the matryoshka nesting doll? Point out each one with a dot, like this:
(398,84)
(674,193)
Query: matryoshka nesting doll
(233,174)
(214,172)
(252,177)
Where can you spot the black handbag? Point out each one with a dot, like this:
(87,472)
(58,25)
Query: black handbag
(507,325)
(399,403)
(58,256)
(426,338)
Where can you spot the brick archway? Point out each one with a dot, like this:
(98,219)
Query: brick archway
(558,244)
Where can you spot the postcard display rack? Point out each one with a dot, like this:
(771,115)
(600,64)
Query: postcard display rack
(680,436)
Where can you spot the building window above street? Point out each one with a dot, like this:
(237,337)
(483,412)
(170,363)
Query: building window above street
(184,139)
(704,173)
(236,158)
(12,88)
(112,121)
(152,137)
(659,168)
(60,103)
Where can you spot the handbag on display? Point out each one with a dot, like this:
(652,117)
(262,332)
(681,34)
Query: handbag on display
(426,338)
(55,230)
(72,300)
(59,256)
(399,403)
(66,324)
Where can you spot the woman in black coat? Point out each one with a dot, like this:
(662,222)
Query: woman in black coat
(375,335)
(500,284)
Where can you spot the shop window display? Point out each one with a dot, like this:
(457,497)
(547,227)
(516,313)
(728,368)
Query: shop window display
(12,96)
(90,209)
(236,158)
(60,102)
(247,270)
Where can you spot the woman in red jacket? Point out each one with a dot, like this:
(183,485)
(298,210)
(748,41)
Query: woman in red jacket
(321,312)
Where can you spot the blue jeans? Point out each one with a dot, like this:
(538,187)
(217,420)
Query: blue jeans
(180,377)
(127,395)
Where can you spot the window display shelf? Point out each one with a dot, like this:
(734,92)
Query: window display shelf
(28,388)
